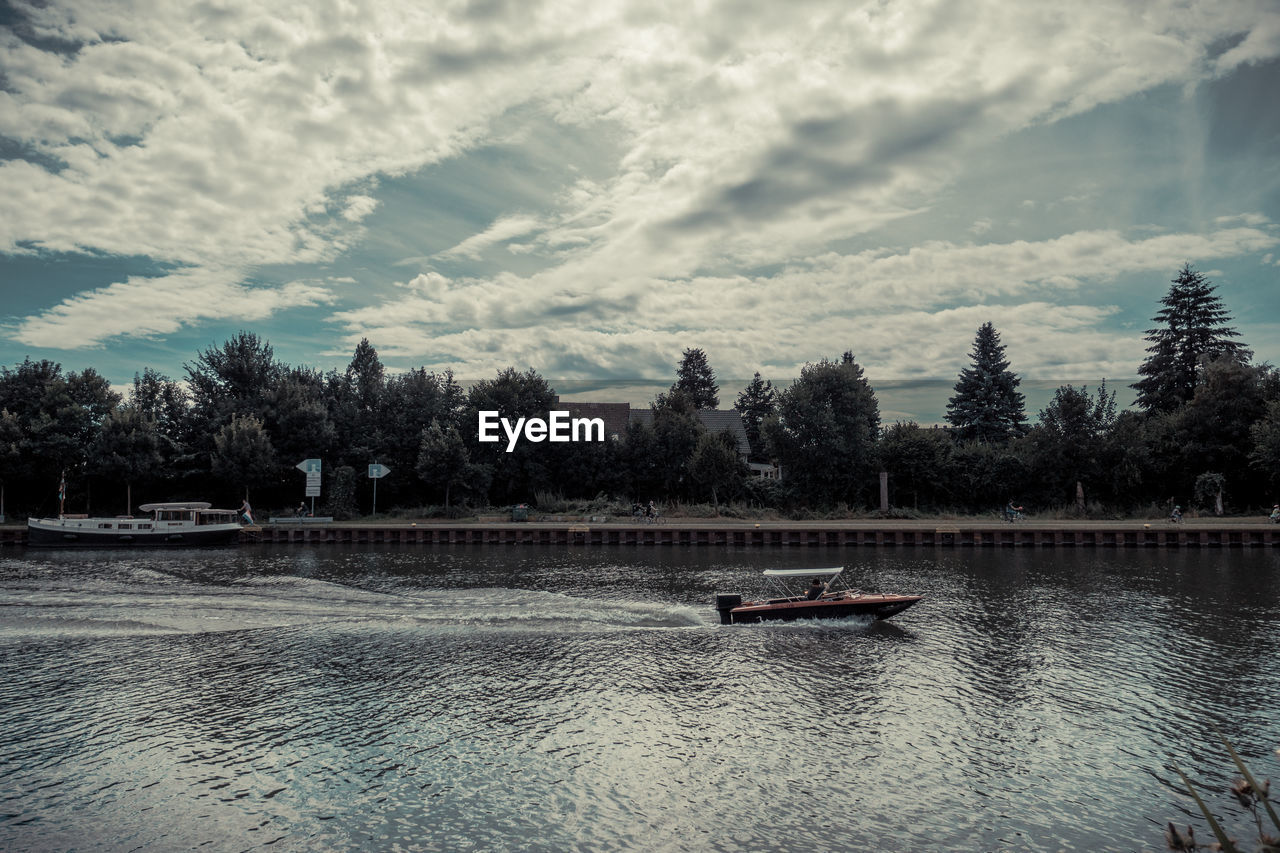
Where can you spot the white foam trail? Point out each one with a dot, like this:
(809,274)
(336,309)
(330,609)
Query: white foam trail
(166,604)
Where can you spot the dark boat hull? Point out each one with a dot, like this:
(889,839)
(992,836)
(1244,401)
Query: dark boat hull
(789,610)
(42,537)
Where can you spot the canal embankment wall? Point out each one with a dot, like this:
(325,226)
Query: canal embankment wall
(1057,534)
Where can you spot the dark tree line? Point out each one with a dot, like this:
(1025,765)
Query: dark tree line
(1206,427)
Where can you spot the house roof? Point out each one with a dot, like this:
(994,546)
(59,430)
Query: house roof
(714,420)
(615,415)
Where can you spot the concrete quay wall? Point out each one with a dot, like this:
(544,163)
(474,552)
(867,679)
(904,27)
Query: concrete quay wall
(1231,533)
(776,534)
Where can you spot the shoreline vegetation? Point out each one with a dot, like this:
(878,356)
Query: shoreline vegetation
(617,513)
(1203,437)
(1253,799)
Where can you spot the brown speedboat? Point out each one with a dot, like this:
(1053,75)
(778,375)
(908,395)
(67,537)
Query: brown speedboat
(820,602)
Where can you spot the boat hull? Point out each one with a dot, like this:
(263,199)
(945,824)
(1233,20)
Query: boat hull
(788,610)
(52,535)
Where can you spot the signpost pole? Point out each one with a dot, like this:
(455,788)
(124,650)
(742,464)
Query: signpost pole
(376,472)
(311,467)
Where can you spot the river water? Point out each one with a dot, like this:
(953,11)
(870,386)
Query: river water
(543,699)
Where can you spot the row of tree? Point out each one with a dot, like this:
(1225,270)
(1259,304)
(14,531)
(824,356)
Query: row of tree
(1206,425)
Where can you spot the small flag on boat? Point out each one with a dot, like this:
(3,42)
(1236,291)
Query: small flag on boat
(62,487)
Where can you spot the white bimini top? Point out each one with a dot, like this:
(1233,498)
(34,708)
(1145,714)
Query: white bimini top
(801,573)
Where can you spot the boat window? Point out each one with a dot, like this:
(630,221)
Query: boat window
(124,527)
(144,526)
(104,525)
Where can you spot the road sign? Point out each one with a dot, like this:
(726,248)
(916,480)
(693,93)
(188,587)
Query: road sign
(376,473)
(311,467)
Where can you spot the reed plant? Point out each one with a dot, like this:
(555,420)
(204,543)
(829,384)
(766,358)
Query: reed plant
(1253,797)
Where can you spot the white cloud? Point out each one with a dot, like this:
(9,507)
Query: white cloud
(228,138)
(358,207)
(501,231)
(149,307)
(905,313)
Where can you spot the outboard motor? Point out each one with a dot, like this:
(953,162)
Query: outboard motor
(725,604)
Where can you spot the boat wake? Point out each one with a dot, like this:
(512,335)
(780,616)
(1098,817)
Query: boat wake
(153,603)
(854,622)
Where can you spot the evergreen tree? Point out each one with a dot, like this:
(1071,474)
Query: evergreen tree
(987,406)
(757,402)
(1191,330)
(358,399)
(365,377)
(695,378)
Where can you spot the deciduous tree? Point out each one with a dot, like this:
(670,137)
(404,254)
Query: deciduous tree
(443,461)
(919,463)
(825,433)
(243,455)
(513,395)
(676,429)
(1265,456)
(715,465)
(128,449)
(1066,449)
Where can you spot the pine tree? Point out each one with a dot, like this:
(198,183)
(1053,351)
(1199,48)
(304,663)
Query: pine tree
(365,376)
(1191,331)
(695,377)
(755,403)
(987,406)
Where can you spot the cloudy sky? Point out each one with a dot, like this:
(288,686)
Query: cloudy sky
(588,188)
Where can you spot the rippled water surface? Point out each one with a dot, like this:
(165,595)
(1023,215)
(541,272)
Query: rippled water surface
(526,698)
